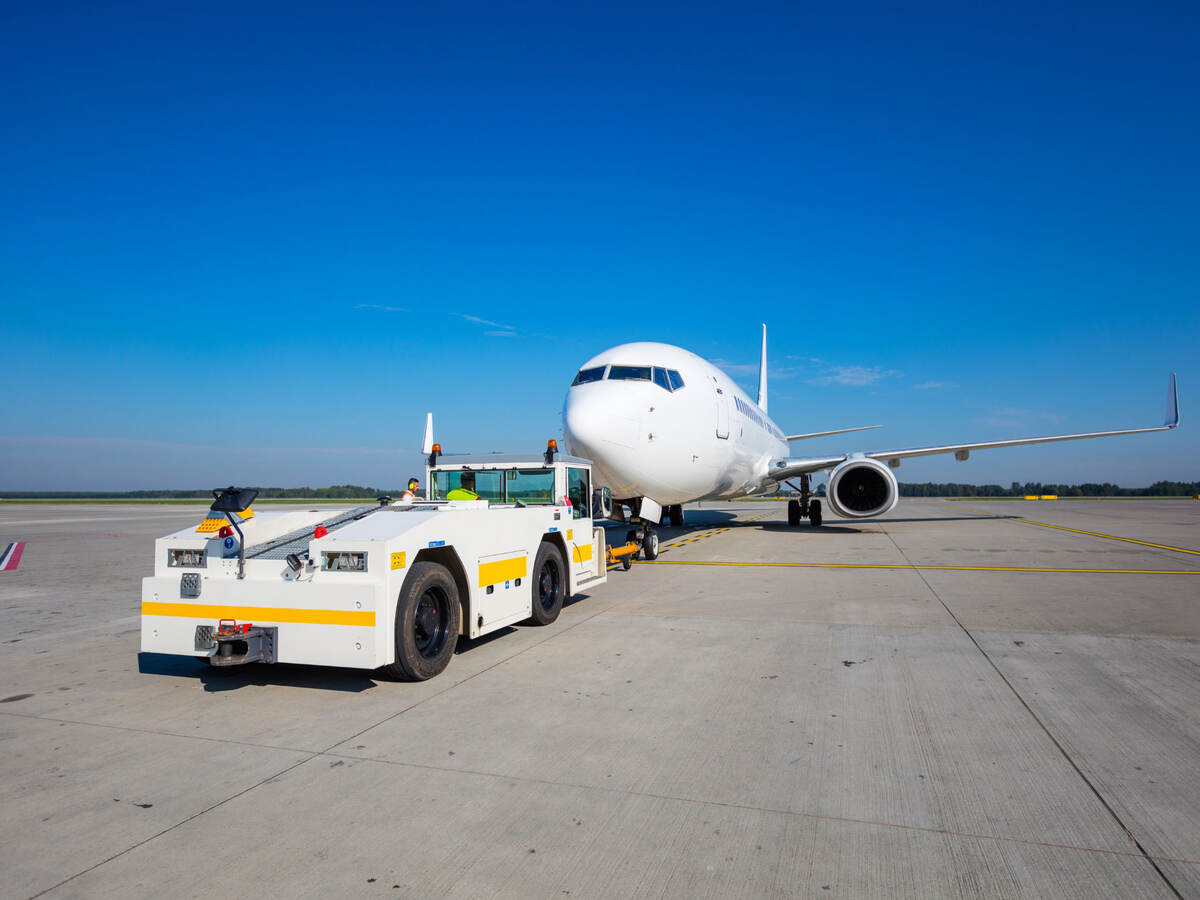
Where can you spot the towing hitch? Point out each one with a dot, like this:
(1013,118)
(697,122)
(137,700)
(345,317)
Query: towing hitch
(236,645)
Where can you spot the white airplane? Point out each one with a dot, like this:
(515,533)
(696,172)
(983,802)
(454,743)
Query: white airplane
(664,427)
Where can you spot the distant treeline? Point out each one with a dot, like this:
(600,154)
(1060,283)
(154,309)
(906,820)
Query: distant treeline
(335,492)
(1016,489)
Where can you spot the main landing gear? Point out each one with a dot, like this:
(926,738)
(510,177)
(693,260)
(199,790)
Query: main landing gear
(804,508)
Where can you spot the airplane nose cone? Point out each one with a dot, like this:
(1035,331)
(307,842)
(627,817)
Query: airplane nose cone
(583,424)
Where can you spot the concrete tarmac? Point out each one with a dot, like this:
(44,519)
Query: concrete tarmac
(960,699)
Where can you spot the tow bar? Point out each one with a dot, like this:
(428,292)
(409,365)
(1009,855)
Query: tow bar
(623,554)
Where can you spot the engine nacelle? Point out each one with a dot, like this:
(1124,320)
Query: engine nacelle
(861,487)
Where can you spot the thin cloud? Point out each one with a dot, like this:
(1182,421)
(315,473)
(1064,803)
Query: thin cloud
(501,333)
(478,321)
(854,376)
(381,308)
(933,385)
(739,370)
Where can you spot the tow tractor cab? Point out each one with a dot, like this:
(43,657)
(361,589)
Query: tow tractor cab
(388,586)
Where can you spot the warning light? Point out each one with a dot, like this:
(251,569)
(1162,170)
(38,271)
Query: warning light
(225,532)
(552,445)
(437,449)
(320,532)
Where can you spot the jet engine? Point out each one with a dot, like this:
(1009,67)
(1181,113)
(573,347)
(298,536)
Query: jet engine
(861,487)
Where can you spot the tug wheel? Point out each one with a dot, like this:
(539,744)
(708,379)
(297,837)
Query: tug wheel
(427,623)
(549,584)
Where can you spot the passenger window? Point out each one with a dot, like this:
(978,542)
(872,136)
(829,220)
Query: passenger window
(676,379)
(579,492)
(586,375)
(660,378)
(531,486)
(629,373)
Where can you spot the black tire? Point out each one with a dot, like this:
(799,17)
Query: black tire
(626,563)
(549,584)
(814,514)
(632,538)
(675,515)
(793,513)
(428,616)
(650,544)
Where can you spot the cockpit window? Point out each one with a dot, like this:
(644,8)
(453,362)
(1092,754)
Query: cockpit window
(629,373)
(660,378)
(676,379)
(586,375)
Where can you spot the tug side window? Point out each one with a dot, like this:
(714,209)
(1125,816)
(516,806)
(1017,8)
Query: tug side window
(580,493)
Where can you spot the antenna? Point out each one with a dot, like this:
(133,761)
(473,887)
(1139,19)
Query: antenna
(427,441)
(762,372)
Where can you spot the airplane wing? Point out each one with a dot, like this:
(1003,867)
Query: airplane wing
(782,468)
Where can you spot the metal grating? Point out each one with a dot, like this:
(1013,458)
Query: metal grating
(297,541)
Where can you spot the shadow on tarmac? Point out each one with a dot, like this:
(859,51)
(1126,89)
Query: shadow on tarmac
(216,680)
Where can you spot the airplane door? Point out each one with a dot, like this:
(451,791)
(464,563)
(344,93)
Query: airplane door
(722,414)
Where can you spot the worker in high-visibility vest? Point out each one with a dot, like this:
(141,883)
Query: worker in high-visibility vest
(413,487)
(465,490)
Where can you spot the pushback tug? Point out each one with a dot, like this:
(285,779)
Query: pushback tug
(390,586)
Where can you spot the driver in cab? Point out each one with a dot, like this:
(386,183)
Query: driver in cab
(465,490)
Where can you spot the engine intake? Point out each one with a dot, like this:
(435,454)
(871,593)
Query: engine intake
(860,488)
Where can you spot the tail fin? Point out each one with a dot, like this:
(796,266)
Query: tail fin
(762,372)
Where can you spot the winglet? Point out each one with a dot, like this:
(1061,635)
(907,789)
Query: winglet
(762,372)
(427,441)
(1172,404)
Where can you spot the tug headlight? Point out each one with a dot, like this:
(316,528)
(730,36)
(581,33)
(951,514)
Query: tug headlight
(186,559)
(344,561)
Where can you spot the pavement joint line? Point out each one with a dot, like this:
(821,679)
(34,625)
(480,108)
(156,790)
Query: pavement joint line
(1142,851)
(314,754)
(525,779)
(1021,520)
(912,567)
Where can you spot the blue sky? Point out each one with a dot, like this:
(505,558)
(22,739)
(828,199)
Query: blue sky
(254,243)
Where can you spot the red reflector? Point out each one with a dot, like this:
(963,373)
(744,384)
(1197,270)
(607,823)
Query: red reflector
(225,532)
(320,532)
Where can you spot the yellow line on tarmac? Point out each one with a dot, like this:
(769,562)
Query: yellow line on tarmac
(1020,520)
(923,568)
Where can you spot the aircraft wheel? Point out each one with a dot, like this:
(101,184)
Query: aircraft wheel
(793,513)
(814,513)
(675,515)
(549,584)
(650,544)
(427,622)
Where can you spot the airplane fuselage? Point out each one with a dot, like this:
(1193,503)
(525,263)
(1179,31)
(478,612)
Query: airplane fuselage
(675,437)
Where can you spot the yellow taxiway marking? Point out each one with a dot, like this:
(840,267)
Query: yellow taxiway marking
(1020,520)
(923,568)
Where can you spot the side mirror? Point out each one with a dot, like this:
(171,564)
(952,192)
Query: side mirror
(602,503)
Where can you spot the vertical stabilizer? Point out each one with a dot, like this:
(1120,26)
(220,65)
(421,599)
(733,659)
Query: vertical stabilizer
(762,372)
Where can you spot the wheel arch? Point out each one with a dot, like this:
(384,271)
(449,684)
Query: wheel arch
(558,539)
(448,559)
